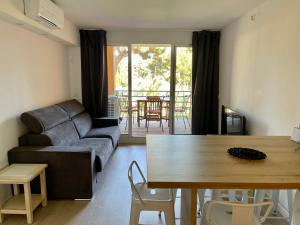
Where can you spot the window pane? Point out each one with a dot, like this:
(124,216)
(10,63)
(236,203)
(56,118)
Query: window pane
(117,62)
(183,88)
(150,78)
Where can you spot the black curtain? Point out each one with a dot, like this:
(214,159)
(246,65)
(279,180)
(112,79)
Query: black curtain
(205,82)
(94,72)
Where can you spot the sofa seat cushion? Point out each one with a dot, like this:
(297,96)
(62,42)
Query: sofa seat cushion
(103,149)
(105,132)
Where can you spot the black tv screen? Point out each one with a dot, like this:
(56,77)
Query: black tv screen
(232,123)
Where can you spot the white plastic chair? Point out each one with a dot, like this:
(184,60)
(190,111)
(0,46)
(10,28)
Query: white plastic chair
(145,199)
(233,213)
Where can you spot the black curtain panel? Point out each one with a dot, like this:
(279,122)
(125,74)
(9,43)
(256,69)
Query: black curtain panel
(94,72)
(205,82)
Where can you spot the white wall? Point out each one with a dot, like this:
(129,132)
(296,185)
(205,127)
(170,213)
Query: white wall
(260,69)
(178,38)
(13,11)
(33,74)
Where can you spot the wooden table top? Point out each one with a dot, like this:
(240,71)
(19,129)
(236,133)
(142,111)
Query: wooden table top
(20,173)
(191,161)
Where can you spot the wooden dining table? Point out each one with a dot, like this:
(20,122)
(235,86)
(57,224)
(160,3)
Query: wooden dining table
(192,162)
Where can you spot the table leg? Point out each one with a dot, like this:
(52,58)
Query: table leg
(16,189)
(188,209)
(1,218)
(259,196)
(43,188)
(28,202)
(290,203)
(296,209)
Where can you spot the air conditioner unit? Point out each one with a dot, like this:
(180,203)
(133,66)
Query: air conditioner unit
(45,12)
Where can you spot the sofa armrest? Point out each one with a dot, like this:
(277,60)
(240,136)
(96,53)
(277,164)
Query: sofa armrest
(105,122)
(70,172)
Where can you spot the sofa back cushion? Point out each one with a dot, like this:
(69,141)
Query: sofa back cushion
(72,107)
(83,123)
(63,134)
(40,120)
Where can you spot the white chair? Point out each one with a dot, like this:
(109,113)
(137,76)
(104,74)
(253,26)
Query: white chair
(144,199)
(220,194)
(233,213)
(261,195)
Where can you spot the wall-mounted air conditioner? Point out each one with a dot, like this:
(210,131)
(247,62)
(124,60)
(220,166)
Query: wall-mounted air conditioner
(45,12)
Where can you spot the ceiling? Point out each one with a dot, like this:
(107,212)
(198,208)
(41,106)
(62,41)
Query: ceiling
(155,14)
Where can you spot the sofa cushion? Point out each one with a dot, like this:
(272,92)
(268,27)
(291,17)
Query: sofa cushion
(83,123)
(72,107)
(63,134)
(103,149)
(105,132)
(44,119)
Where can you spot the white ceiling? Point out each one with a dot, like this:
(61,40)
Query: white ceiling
(155,14)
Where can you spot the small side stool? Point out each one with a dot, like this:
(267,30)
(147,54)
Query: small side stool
(23,174)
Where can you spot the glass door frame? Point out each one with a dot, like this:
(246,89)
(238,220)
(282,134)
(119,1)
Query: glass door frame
(128,137)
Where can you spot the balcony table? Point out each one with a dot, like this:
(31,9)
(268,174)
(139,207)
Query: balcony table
(192,162)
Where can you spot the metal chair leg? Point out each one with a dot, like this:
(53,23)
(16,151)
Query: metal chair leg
(183,120)
(187,119)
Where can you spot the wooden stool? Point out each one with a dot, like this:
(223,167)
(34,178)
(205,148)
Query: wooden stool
(23,174)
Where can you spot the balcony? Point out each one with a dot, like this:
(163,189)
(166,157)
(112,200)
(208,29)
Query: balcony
(182,113)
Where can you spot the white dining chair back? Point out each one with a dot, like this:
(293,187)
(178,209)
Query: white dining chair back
(233,213)
(145,199)
(233,195)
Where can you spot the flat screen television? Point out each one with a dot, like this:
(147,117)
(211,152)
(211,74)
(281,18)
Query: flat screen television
(232,123)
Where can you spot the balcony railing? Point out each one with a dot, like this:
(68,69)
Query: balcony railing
(182,98)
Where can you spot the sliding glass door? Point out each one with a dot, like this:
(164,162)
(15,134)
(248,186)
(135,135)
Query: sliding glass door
(141,76)
(151,66)
(117,62)
(183,90)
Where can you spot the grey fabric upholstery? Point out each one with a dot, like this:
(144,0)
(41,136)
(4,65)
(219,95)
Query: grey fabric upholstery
(103,149)
(72,107)
(64,134)
(106,132)
(67,126)
(70,173)
(43,119)
(83,123)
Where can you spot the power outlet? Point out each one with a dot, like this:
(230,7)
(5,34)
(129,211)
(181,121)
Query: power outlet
(296,135)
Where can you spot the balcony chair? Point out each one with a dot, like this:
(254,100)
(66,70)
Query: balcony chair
(153,110)
(182,109)
(124,109)
(144,199)
(233,213)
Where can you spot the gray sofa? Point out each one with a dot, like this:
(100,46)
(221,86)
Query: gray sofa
(75,146)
